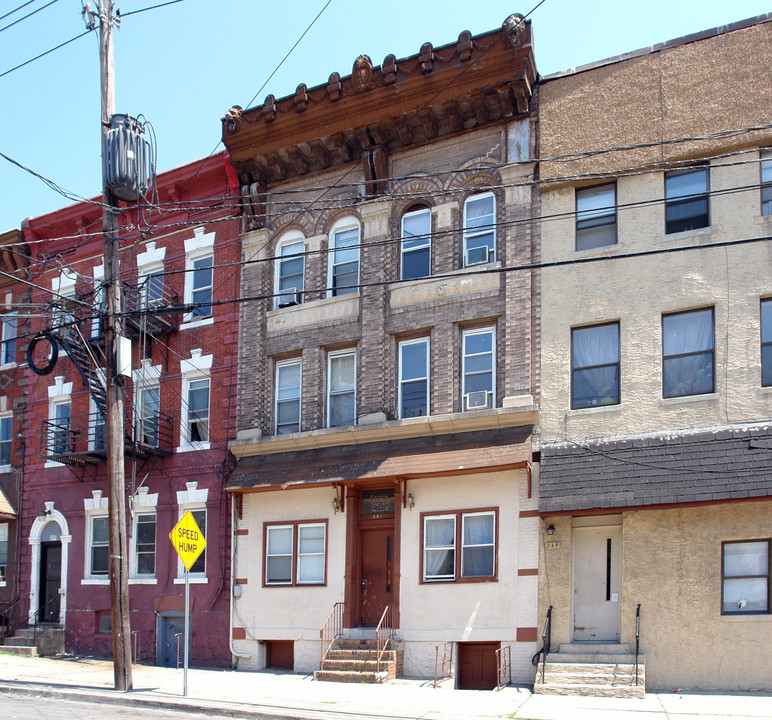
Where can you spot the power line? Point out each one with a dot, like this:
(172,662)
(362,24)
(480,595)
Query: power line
(28,15)
(119,14)
(43,54)
(23,5)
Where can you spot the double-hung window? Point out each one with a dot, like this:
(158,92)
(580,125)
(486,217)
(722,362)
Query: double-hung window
(288,386)
(99,545)
(414,378)
(6,439)
(687,353)
(341,389)
(59,428)
(8,347)
(153,291)
(766,182)
(143,544)
(416,244)
(148,416)
(295,553)
(745,577)
(459,546)
(479,371)
(766,343)
(201,287)
(344,258)
(686,200)
(596,217)
(197,426)
(595,366)
(480,229)
(290,273)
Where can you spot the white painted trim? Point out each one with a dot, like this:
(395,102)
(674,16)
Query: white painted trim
(34,540)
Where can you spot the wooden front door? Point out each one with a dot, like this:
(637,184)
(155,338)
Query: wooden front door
(377,552)
(477,666)
(50,581)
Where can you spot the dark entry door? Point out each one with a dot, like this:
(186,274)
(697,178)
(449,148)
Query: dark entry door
(170,627)
(377,559)
(477,666)
(50,581)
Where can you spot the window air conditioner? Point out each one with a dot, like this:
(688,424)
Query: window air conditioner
(479,255)
(477,400)
(289,297)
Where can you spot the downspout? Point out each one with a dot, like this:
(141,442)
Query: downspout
(233,581)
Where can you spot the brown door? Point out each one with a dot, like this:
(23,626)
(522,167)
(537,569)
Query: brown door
(377,549)
(280,654)
(477,666)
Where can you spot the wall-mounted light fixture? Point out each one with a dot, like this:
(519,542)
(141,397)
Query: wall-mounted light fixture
(550,529)
(42,514)
(410,501)
(335,504)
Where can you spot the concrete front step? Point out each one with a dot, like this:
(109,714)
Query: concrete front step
(592,690)
(20,640)
(602,658)
(596,647)
(25,650)
(335,654)
(356,664)
(351,676)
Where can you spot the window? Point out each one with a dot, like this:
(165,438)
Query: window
(344,258)
(295,553)
(459,546)
(197,427)
(766,182)
(199,567)
(595,366)
(201,288)
(766,343)
(416,244)
(97,427)
(288,384)
(414,378)
(59,428)
(3,551)
(745,577)
(596,217)
(99,548)
(686,200)
(479,229)
(143,544)
(6,438)
(105,622)
(153,291)
(8,349)
(148,413)
(341,390)
(478,379)
(687,353)
(290,272)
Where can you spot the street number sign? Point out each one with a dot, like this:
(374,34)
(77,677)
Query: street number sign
(188,540)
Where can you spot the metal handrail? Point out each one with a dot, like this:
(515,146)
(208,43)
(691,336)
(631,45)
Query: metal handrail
(383,633)
(330,631)
(504,666)
(445,661)
(12,610)
(178,636)
(36,617)
(637,638)
(546,641)
(136,644)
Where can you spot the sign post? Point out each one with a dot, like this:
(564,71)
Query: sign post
(189,542)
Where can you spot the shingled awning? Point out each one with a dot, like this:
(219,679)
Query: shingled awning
(451,454)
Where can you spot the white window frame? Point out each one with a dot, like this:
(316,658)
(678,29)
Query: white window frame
(471,233)
(194,500)
(294,237)
(333,393)
(60,393)
(93,427)
(765,178)
(342,226)
(491,397)
(6,427)
(295,555)
(762,579)
(94,507)
(197,368)
(10,334)
(147,377)
(90,518)
(199,247)
(143,505)
(425,378)
(293,398)
(425,245)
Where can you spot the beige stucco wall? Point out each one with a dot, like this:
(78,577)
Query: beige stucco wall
(671,565)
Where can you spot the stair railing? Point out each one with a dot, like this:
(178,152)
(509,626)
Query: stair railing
(41,612)
(446,666)
(330,631)
(384,632)
(12,618)
(504,665)
(637,638)
(546,641)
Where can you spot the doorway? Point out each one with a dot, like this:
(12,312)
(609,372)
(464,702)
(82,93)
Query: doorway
(377,552)
(171,639)
(597,575)
(50,582)
(477,668)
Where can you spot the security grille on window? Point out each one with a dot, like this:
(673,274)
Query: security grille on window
(414,378)
(766,343)
(345,261)
(416,244)
(745,570)
(201,293)
(341,401)
(687,353)
(686,200)
(144,544)
(100,541)
(288,384)
(6,438)
(766,182)
(198,410)
(295,554)
(8,348)
(595,366)
(290,274)
(478,383)
(480,229)
(470,536)
(596,217)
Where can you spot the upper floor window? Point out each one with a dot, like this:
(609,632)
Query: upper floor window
(596,217)
(416,244)
(148,414)
(414,378)
(478,376)
(745,577)
(201,287)
(686,199)
(766,182)
(687,353)
(480,229)
(8,348)
(595,366)
(6,439)
(59,440)
(288,385)
(344,257)
(197,425)
(153,291)
(341,389)
(290,271)
(766,343)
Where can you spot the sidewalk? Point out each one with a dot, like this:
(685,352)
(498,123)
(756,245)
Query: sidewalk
(269,694)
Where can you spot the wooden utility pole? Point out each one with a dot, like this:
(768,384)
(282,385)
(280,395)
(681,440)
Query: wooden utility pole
(119,551)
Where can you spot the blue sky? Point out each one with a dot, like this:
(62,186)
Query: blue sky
(184,65)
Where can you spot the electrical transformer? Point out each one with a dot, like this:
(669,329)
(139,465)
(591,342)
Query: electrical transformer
(127,158)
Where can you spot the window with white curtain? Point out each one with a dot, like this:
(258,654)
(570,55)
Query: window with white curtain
(595,366)
(295,553)
(687,353)
(288,388)
(10,331)
(459,546)
(341,389)
(745,577)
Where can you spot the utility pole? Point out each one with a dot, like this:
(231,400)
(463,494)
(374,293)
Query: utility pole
(119,561)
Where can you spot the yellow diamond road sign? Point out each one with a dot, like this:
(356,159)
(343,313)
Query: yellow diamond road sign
(188,540)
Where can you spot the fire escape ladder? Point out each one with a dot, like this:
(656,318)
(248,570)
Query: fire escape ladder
(86,363)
